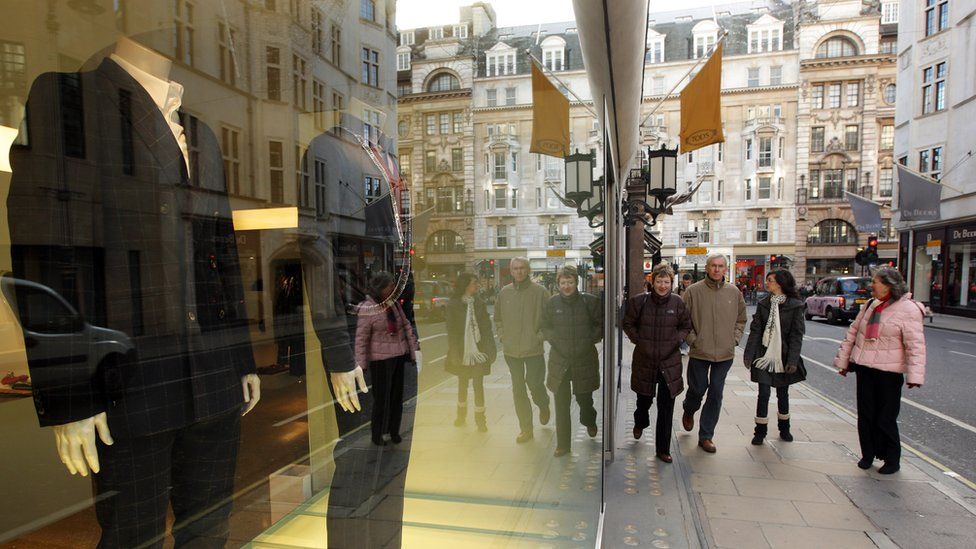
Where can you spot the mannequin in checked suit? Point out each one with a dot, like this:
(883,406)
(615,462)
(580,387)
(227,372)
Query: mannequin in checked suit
(107,206)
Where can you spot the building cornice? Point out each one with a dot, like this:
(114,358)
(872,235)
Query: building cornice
(829,62)
(434,96)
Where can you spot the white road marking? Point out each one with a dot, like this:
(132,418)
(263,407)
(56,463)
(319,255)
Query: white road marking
(961,341)
(910,402)
(423,339)
(830,339)
(963,354)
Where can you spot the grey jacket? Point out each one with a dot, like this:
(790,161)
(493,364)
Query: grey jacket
(518,318)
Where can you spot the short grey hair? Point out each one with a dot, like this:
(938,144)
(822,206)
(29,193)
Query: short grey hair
(521,259)
(713,256)
(893,279)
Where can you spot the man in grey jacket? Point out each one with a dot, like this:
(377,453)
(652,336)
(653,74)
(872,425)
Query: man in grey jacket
(718,317)
(518,315)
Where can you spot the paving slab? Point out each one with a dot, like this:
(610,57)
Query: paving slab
(794,537)
(757,509)
(737,534)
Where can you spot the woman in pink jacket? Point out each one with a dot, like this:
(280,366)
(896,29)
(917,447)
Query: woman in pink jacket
(884,345)
(385,344)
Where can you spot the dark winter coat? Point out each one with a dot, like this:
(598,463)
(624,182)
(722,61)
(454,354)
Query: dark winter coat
(456,315)
(657,325)
(573,326)
(792,327)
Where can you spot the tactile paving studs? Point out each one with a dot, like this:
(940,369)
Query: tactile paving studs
(580,536)
(551,534)
(581,525)
(632,541)
(661,533)
(630,529)
(630,491)
(661,544)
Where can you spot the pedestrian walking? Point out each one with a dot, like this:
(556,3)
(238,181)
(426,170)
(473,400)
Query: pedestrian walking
(470,347)
(718,318)
(772,352)
(572,323)
(686,280)
(518,320)
(657,323)
(385,343)
(885,343)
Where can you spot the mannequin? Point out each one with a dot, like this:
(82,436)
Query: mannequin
(148,247)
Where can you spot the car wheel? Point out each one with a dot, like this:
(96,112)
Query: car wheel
(808,316)
(831,316)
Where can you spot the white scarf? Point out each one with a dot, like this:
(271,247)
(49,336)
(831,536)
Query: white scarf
(472,335)
(772,339)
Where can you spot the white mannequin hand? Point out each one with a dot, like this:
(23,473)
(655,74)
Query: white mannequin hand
(76,443)
(252,391)
(419,359)
(344,385)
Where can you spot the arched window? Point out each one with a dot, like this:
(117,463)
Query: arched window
(832,231)
(443,82)
(445,242)
(838,46)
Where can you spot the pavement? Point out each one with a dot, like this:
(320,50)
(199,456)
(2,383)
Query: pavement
(952,323)
(805,493)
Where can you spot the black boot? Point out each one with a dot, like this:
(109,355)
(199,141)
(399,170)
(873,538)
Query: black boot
(784,427)
(462,414)
(479,419)
(761,430)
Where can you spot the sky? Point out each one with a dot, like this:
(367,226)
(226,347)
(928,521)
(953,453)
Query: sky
(421,13)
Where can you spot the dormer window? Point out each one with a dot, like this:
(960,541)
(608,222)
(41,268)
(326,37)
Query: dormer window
(461,31)
(436,33)
(407,38)
(655,47)
(706,36)
(554,53)
(766,34)
(500,60)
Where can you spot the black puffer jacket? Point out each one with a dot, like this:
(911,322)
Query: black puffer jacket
(656,325)
(573,326)
(456,315)
(792,327)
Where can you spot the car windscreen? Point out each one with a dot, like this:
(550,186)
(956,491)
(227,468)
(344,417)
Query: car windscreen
(856,286)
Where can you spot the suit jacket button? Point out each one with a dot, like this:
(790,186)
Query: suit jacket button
(191,315)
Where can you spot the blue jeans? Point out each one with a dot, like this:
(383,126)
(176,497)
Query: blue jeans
(706,377)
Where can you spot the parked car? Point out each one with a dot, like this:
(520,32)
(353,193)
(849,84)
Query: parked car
(838,298)
(431,299)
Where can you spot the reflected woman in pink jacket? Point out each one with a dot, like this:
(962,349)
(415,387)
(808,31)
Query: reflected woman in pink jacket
(884,345)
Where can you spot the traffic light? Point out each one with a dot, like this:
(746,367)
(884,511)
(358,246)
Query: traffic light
(872,251)
(413,251)
(873,242)
(491,262)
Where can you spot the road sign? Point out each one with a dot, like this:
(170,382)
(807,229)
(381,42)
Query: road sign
(562,241)
(695,255)
(555,253)
(696,251)
(648,266)
(688,239)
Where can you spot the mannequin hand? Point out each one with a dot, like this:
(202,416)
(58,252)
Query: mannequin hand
(252,391)
(344,384)
(418,360)
(76,443)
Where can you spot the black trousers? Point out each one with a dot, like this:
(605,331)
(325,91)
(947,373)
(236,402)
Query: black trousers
(387,378)
(878,404)
(477,384)
(563,421)
(782,400)
(665,415)
(366,494)
(191,469)
(528,372)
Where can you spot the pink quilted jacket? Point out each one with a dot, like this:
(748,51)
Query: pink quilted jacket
(373,340)
(900,346)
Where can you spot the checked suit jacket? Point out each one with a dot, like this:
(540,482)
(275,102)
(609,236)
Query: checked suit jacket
(103,210)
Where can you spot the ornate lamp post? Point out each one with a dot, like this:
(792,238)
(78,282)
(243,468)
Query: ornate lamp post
(658,182)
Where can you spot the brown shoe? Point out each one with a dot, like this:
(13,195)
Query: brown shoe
(666,458)
(688,421)
(638,433)
(591,430)
(544,415)
(560,452)
(707,445)
(524,437)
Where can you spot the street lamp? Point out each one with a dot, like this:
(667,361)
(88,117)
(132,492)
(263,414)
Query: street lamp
(592,207)
(579,177)
(659,182)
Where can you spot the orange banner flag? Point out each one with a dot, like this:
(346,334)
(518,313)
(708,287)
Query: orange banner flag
(550,117)
(701,106)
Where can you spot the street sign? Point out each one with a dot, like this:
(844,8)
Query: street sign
(648,266)
(688,239)
(696,251)
(555,253)
(695,255)
(562,241)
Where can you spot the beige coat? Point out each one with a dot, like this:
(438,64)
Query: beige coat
(718,317)
(518,317)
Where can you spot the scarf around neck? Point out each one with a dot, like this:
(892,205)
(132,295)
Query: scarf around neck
(873,330)
(772,359)
(472,335)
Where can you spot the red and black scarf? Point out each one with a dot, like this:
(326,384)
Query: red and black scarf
(873,330)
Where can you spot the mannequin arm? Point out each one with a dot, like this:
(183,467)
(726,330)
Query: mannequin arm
(344,385)
(76,443)
(252,391)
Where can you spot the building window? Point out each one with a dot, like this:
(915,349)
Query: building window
(853,94)
(934,88)
(272,58)
(445,123)
(371,126)
(444,82)
(657,85)
(781,149)
(501,236)
(318,103)
(538,198)
(299,82)
(405,163)
(509,96)
(762,229)
(403,61)
(748,190)
(775,75)
(499,165)
(435,33)
(765,188)
(458,122)
(367,9)
(501,198)
(890,94)
(230,147)
(779,188)
(301,178)
(833,96)
(889,12)
(748,149)
(704,44)
(832,231)
(655,50)
(885,182)
(720,191)
(852,137)
(515,162)
(430,123)
(705,192)
(226,42)
(838,46)
(183,31)
(705,231)
(930,162)
(430,162)
(762,40)
(371,188)
(371,67)
(336,37)
(817,139)
(320,196)
(936,16)
(446,242)
(457,158)
(553,59)
(818,96)
(887,141)
(276,166)
(491,96)
(407,38)
(338,104)
(765,152)
(499,64)
(460,31)
(318,31)
(721,151)
(852,181)
(515,199)
(753,77)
